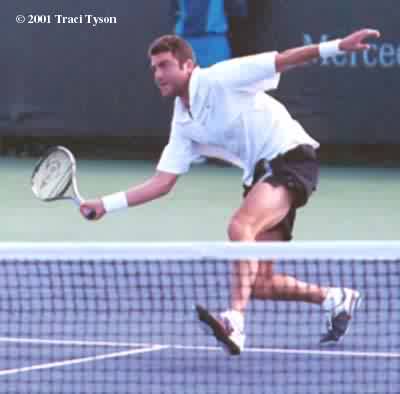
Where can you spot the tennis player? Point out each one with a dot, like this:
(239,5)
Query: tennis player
(223,112)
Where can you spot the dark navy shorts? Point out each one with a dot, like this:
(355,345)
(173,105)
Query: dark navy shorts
(298,171)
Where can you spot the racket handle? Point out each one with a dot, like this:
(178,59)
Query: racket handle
(90,213)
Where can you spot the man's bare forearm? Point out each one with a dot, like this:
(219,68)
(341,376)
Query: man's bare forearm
(154,188)
(296,57)
(302,55)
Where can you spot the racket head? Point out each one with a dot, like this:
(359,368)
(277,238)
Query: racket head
(53,174)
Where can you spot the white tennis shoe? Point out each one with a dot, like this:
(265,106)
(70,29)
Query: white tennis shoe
(340,305)
(227,328)
(233,323)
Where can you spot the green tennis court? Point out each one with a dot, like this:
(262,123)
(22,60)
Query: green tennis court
(352,203)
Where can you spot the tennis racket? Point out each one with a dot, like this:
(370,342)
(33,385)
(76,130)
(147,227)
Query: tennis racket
(54,178)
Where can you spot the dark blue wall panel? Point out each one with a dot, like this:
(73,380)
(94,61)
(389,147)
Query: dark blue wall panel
(61,79)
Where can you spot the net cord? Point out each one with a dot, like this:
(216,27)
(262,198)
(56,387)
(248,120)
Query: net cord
(180,251)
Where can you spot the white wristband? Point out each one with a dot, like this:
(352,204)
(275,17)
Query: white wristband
(115,201)
(330,49)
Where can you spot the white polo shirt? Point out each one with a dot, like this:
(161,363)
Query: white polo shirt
(231,118)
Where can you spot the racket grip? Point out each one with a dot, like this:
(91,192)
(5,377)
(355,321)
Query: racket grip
(89,213)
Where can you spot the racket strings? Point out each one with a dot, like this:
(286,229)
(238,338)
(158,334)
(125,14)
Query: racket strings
(59,188)
(51,184)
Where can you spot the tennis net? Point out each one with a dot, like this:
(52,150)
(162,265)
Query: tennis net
(120,318)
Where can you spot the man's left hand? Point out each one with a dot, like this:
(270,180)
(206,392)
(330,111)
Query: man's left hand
(355,41)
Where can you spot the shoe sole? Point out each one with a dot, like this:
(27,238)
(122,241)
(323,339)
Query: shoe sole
(212,325)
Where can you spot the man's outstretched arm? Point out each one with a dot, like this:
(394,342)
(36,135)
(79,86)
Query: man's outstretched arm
(298,56)
(157,186)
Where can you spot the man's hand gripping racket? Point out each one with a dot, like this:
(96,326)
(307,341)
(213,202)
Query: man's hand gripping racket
(54,178)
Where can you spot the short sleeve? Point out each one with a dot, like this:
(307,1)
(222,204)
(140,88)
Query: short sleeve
(178,155)
(253,73)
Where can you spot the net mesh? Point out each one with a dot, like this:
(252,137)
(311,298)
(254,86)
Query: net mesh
(120,319)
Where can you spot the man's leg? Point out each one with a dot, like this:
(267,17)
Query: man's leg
(263,208)
(271,286)
(339,304)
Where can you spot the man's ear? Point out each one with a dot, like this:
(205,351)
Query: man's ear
(189,65)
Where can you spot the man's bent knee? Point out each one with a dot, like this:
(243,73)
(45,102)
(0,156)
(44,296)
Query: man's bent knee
(239,230)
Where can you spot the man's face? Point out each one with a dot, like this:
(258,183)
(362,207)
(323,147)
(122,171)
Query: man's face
(170,76)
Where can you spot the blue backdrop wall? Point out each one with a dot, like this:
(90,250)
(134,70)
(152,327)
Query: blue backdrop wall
(61,78)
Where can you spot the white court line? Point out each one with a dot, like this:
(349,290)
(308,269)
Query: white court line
(298,351)
(327,352)
(79,360)
(205,348)
(43,341)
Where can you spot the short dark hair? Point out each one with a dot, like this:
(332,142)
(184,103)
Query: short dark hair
(179,48)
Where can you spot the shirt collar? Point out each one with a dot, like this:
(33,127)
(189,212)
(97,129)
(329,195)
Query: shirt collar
(181,112)
(193,85)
